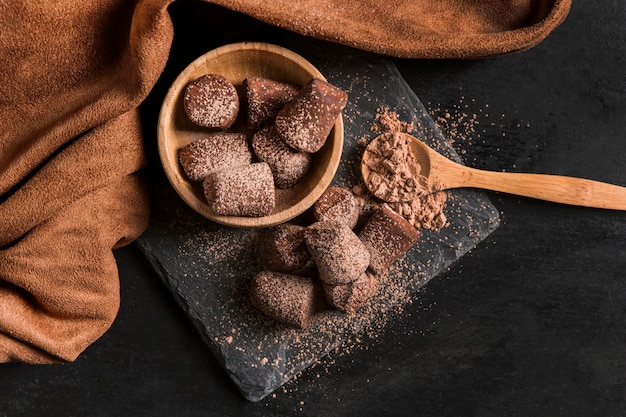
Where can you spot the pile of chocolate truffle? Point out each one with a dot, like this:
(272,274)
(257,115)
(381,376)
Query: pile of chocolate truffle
(239,174)
(330,262)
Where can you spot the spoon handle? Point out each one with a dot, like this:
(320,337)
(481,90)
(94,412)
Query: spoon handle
(555,188)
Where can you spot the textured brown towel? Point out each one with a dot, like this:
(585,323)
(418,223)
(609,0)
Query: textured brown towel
(73,74)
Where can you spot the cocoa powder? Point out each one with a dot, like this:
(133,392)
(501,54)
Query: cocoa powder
(396,178)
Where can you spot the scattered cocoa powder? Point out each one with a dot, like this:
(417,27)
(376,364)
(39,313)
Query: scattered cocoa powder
(386,121)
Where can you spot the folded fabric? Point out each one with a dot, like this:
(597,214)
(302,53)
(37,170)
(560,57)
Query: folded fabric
(71,146)
(416,28)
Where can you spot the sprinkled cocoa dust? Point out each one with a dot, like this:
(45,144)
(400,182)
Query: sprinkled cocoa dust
(387,121)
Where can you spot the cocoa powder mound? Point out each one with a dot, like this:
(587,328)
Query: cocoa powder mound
(394,173)
(387,121)
(396,178)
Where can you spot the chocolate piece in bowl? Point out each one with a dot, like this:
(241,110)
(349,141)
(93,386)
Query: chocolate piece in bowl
(288,298)
(211,101)
(348,298)
(281,248)
(305,122)
(288,166)
(264,98)
(387,236)
(337,203)
(246,190)
(339,254)
(214,152)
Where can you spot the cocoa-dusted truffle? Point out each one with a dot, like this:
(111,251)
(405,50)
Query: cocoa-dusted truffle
(287,165)
(305,122)
(284,297)
(214,152)
(337,203)
(211,101)
(348,298)
(338,252)
(264,99)
(387,236)
(246,190)
(281,248)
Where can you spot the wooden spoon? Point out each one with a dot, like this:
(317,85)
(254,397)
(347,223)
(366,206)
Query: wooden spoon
(442,173)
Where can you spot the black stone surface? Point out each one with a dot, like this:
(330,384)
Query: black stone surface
(208,267)
(530,322)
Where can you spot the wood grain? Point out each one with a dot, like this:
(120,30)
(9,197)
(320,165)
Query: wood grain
(443,174)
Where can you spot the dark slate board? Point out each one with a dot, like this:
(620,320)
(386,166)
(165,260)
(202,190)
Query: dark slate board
(207,267)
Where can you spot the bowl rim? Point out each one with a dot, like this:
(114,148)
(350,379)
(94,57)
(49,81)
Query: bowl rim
(180,184)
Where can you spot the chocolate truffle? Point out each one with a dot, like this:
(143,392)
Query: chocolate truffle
(211,101)
(348,298)
(387,236)
(284,297)
(281,248)
(337,203)
(214,152)
(305,122)
(339,254)
(264,99)
(245,190)
(288,166)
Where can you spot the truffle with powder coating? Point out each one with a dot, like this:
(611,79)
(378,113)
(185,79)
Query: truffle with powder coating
(387,236)
(246,190)
(211,101)
(348,298)
(305,122)
(214,152)
(263,100)
(337,203)
(288,166)
(339,254)
(288,298)
(281,248)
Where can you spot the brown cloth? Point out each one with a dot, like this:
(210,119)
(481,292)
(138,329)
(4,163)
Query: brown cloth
(72,77)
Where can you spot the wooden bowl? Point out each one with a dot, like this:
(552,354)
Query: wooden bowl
(236,62)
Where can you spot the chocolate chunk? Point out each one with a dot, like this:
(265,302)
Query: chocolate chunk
(214,152)
(284,297)
(281,248)
(211,101)
(339,254)
(264,99)
(348,298)
(288,166)
(387,236)
(305,122)
(337,203)
(246,190)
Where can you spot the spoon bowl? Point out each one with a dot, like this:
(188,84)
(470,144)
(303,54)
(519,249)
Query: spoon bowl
(439,173)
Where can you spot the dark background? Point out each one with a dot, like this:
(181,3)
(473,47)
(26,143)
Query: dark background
(531,322)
